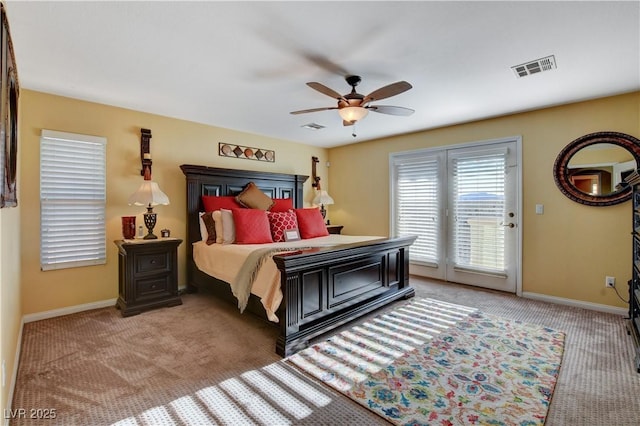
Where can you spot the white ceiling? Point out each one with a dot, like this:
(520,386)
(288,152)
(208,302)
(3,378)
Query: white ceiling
(244,65)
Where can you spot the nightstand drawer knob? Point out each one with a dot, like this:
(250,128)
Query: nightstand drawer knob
(153,261)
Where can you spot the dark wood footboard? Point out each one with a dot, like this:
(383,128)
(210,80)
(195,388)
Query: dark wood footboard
(325,288)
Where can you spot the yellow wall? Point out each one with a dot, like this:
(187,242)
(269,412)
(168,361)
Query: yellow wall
(10,309)
(174,142)
(597,156)
(569,249)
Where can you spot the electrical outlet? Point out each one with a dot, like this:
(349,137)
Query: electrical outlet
(610,282)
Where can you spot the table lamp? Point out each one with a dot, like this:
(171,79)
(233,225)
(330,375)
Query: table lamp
(322,198)
(149,195)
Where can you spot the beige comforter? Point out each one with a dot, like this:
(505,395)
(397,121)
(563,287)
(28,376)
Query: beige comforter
(225,262)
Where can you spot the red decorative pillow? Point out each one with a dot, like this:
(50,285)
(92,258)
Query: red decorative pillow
(311,223)
(212,203)
(280,222)
(252,226)
(282,205)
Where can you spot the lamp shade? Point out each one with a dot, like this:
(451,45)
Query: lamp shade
(353,113)
(149,194)
(322,198)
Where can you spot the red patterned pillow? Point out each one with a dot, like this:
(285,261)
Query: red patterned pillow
(311,223)
(282,205)
(280,222)
(212,203)
(252,226)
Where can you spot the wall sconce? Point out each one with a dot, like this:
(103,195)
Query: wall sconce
(315,179)
(322,198)
(145,153)
(149,194)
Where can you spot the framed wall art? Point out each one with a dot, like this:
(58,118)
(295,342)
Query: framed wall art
(246,152)
(9,92)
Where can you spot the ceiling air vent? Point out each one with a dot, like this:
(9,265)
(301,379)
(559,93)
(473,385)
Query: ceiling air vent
(543,64)
(313,126)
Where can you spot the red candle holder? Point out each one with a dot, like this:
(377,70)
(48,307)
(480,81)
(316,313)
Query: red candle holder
(129,227)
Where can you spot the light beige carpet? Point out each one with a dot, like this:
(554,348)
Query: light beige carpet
(204,363)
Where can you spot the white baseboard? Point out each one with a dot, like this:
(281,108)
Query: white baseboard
(577,303)
(68,310)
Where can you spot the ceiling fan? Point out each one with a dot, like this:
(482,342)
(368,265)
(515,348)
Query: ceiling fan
(354,106)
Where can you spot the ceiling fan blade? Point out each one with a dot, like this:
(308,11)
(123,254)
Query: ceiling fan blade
(304,111)
(324,90)
(391,110)
(324,63)
(387,91)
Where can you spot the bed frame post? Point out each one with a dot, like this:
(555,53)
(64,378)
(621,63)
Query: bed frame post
(287,313)
(193,226)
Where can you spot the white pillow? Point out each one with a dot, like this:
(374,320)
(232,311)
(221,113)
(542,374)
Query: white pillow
(217,219)
(228,227)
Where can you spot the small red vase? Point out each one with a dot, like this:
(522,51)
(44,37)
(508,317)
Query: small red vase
(129,227)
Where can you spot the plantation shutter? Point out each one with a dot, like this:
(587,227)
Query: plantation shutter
(416,188)
(72,200)
(477,185)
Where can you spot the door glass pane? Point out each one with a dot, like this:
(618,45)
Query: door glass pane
(416,204)
(478,200)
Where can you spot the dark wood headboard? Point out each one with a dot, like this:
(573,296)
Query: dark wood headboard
(202,180)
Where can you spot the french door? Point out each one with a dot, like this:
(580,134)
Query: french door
(463,204)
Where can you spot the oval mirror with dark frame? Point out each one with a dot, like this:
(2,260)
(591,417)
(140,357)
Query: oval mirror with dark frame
(591,169)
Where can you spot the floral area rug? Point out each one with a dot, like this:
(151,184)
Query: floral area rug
(435,363)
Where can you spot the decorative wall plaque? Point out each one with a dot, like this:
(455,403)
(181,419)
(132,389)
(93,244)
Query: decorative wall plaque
(246,152)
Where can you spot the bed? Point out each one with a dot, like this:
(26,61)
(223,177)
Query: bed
(322,288)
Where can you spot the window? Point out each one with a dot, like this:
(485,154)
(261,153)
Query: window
(72,200)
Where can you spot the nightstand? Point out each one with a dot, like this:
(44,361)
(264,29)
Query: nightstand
(334,229)
(148,274)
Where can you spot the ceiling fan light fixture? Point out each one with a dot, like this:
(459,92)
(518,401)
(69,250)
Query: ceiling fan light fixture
(353,113)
